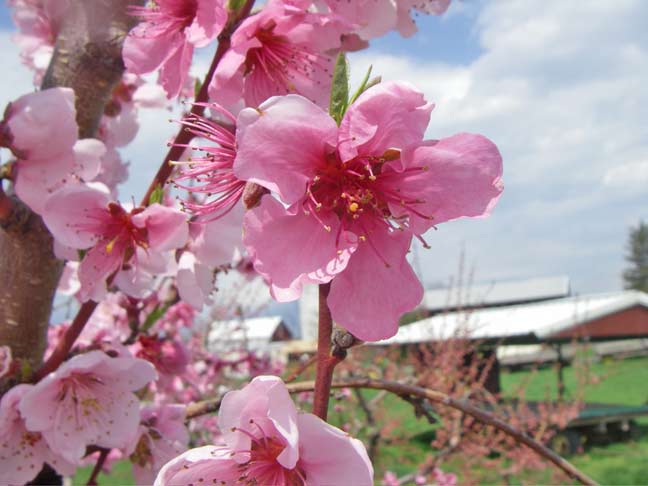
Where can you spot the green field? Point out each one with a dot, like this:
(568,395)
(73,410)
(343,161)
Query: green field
(622,382)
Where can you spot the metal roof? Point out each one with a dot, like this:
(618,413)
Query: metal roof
(518,323)
(256,331)
(497,293)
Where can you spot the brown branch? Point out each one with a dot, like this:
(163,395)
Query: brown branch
(197,409)
(6,206)
(87,58)
(444,399)
(65,344)
(326,361)
(303,367)
(103,455)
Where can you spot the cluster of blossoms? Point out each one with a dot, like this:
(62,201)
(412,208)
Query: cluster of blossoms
(330,201)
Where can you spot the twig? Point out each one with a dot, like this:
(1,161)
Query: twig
(197,409)
(303,367)
(103,454)
(6,206)
(326,361)
(442,398)
(64,346)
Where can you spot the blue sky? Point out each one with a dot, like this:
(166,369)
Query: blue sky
(561,91)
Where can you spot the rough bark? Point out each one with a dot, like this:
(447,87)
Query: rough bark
(87,58)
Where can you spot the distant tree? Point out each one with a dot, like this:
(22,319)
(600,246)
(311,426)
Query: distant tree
(636,276)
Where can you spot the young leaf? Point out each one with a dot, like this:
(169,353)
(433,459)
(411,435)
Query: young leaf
(363,86)
(156,195)
(339,89)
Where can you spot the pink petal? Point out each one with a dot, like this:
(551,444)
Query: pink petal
(37,178)
(287,247)
(369,297)
(282,144)
(43,124)
(327,454)
(389,115)
(265,397)
(209,21)
(195,281)
(463,179)
(175,69)
(97,265)
(217,240)
(227,84)
(167,227)
(76,215)
(147,47)
(212,464)
(87,154)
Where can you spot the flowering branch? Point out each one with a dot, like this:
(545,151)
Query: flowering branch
(487,418)
(183,137)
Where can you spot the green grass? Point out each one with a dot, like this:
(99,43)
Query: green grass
(623,382)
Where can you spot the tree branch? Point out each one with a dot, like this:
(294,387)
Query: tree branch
(401,389)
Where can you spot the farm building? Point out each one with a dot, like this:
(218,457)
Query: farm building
(254,334)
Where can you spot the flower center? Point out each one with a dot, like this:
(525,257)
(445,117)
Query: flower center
(263,467)
(282,62)
(123,230)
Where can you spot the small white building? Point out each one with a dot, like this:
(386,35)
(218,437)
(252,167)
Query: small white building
(255,334)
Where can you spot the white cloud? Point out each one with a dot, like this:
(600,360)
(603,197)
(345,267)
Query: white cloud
(561,89)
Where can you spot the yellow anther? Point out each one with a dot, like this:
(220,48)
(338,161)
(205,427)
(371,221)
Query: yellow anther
(362,238)
(372,178)
(110,245)
(327,228)
(353,207)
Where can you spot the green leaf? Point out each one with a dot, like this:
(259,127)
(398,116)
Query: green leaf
(339,88)
(235,5)
(363,86)
(154,316)
(156,195)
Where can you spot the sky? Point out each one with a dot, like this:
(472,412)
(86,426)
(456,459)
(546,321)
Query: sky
(562,92)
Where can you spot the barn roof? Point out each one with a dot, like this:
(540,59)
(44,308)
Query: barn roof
(497,293)
(526,323)
(253,329)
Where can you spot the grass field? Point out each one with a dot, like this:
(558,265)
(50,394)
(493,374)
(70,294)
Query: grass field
(623,382)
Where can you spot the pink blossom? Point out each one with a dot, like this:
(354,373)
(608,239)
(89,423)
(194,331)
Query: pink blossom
(40,128)
(356,195)
(23,451)
(163,435)
(170,357)
(214,188)
(444,479)
(390,479)
(82,217)
(373,18)
(282,49)
(195,281)
(167,35)
(267,442)
(88,400)
(38,23)
(405,24)
(5,361)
